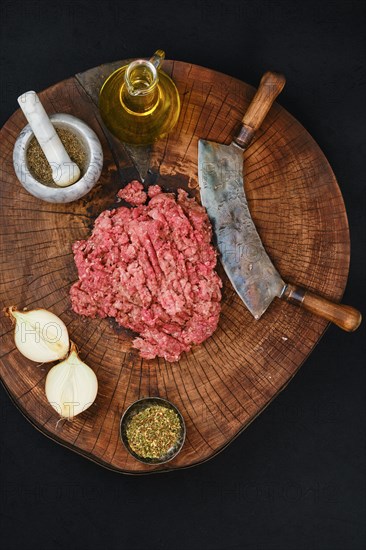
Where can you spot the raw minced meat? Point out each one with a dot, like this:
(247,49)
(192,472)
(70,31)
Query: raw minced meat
(152,268)
(133,193)
(153,190)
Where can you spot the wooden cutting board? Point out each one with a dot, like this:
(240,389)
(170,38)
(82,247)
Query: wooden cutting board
(223,384)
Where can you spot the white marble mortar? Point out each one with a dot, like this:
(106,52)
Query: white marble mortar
(94,153)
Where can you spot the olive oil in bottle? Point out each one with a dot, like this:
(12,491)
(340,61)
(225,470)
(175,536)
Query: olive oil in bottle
(139,103)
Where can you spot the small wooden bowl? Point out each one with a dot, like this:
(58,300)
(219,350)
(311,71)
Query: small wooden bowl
(139,406)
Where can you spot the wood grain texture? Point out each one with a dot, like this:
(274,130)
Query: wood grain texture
(222,385)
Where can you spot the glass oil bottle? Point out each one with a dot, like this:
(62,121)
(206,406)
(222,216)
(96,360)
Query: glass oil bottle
(139,103)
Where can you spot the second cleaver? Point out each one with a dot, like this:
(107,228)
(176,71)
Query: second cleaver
(248,266)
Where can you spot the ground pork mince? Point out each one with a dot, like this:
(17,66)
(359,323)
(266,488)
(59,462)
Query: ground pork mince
(152,268)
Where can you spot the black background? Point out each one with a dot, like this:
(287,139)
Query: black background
(295,478)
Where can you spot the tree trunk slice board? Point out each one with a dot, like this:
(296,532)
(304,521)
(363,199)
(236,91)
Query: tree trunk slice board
(223,384)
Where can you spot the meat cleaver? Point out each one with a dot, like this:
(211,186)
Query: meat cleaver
(248,266)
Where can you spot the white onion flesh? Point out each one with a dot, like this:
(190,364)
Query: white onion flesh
(71,386)
(40,335)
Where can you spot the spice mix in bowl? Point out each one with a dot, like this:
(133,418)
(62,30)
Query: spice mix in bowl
(153,430)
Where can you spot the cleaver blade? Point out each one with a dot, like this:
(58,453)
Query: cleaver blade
(247,264)
(243,256)
(220,176)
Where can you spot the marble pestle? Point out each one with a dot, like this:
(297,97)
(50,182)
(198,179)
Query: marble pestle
(64,171)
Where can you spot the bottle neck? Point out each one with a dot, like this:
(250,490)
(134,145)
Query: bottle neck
(140,91)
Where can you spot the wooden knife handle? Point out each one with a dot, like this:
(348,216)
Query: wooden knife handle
(346,317)
(270,87)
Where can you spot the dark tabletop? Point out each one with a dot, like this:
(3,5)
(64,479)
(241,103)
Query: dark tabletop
(294,480)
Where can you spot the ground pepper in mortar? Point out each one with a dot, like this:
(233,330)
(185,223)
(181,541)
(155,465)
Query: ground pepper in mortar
(39,166)
(153,431)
